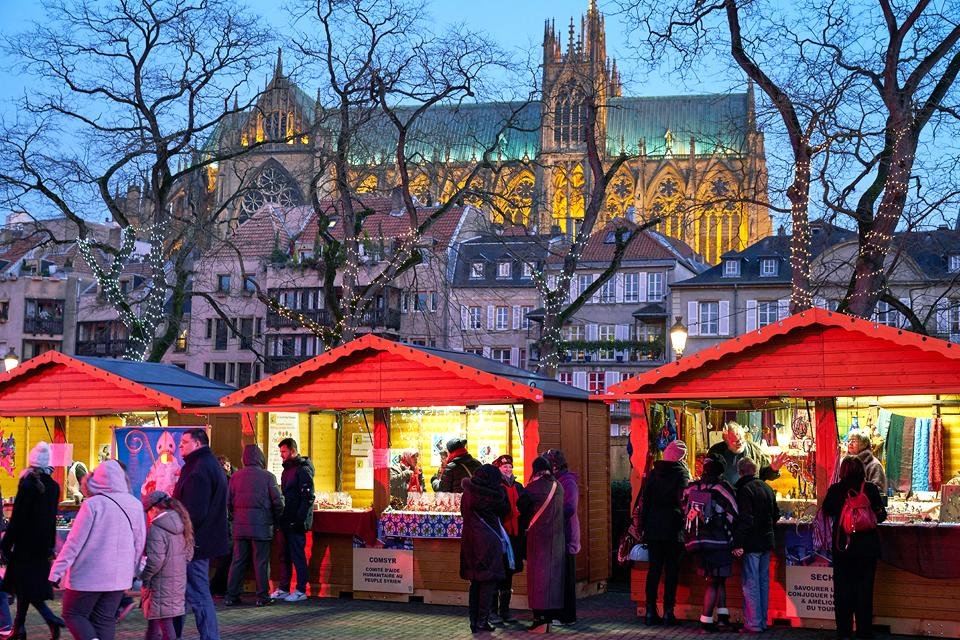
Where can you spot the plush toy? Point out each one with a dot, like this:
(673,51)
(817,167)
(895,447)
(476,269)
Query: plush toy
(165,471)
(8,447)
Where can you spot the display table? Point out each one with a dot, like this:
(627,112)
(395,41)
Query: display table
(420,524)
(927,549)
(359,523)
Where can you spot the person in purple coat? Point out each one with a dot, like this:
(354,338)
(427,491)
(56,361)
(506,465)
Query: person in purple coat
(569,481)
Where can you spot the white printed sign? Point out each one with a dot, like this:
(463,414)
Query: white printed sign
(364,474)
(360,444)
(280,426)
(389,570)
(810,592)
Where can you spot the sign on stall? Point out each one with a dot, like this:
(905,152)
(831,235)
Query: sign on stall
(388,570)
(360,444)
(280,426)
(809,577)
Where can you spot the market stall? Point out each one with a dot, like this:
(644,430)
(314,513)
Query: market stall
(357,408)
(799,386)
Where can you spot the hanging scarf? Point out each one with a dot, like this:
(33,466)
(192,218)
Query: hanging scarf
(894,450)
(906,459)
(936,454)
(921,455)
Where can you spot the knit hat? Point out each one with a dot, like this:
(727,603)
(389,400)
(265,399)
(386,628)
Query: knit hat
(456,443)
(153,498)
(675,451)
(540,464)
(39,455)
(502,460)
(714,465)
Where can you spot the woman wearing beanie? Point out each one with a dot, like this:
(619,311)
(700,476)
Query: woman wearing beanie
(511,524)
(483,543)
(661,521)
(168,549)
(101,555)
(29,542)
(541,507)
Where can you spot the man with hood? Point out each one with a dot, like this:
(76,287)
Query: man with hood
(459,465)
(296,483)
(202,488)
(255,504)
(101,555)
(569,481)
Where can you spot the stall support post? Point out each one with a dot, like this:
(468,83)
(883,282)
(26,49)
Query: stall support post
(60,437)
(827,438)
(640,442)
(381,467)
(531,437)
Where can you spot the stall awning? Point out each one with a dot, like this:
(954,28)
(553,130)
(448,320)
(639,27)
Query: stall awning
(816,353)
(57,384)
(374,372)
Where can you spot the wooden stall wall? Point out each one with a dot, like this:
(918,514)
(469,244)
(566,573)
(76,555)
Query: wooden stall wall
(321,447)
(598,488)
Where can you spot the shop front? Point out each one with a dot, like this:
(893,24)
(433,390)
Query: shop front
(362,411)
(801,386)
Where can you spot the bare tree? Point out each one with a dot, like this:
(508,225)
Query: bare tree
(128,92)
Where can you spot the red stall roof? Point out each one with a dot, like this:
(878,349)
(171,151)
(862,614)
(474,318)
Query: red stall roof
(816,353)
(55,384)
(373,372)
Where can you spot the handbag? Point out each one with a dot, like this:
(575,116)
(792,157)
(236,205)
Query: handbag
(857,514)
(639,553)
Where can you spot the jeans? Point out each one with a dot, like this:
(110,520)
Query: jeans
(242,548)
(294,555)
(853,578)
(91,614)
(160,629)
(756,589)
(6,620)
(481,599)
(664,560)
(199,599)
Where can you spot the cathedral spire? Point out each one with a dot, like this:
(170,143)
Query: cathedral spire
(278,71)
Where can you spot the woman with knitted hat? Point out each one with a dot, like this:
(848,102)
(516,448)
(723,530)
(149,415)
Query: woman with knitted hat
(661,521)
(29,542)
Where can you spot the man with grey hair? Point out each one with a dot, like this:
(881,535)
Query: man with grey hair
(736,446)
(753,540)
(859,445)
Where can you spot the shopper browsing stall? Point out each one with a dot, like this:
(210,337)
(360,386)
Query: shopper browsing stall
(459,464)
(859,445)
(512,526)
(482,547)
(753,540)
(542,507)
(168,549)
(571,527)
(296,484)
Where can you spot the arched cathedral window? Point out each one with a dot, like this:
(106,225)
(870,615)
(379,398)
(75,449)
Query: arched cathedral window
(271,186)
(569,116)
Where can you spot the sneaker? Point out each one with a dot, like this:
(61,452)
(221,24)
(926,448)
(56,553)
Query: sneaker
(295,596)
(495,619)
(125,610)
(279,594)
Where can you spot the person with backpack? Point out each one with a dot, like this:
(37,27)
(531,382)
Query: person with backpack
(661,521)
(753,540)
(856,507)
(710,512)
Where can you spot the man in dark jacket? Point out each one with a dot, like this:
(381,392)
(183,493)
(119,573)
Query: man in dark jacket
(296,483)
(736,446)
(202,488)
(255,504)
(753,540)
(459,465)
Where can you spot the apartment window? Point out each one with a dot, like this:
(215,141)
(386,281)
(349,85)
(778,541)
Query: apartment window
(524,320)
(208,332)
(731,268)
(425,301)
(219,371)
(767,313)
(223,283)
(954,262)
(246,333)
(584,280)
(608,292)
(645,332)
(655,289)
(574,332)
(476,270)
(606,333)
(504,270)
(477,351)
(596,382)
(768,267)
(565,377)
(709,318)
(500,354)
(249,285)
(631,287)
(502,318)
(220,335)
(526,271)
(180,345)
(244,374)
(474,318)
(124,287)
(4,310)
(522,358)
(231,372)
(885,314)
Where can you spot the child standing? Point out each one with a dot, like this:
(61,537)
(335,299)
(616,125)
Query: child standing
(168,549)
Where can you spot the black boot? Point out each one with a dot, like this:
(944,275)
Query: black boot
(669,620)
(503,607)
(723,620)
(55,629)
(652,618)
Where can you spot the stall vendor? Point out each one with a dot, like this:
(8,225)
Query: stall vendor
(736,446)
(858,444)
(406,476)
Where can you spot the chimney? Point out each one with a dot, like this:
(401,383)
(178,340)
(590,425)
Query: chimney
(630,214)
(396,197)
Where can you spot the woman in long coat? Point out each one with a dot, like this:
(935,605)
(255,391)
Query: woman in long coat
(542,507)
(29,542)
(482,544)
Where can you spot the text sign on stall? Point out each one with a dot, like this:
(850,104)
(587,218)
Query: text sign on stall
(810,592)
(388,570)
(280,426)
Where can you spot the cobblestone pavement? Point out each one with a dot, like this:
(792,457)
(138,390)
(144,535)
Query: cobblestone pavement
(609,615)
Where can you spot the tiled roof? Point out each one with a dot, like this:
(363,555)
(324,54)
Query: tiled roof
(646,245)
(931,250)
(493,249)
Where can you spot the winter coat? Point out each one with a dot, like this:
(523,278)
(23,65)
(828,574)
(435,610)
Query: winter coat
(31,536)
(296,483)
(571,503)
(863,544)
(481,545)
(750,450)
(165,574)
(103,549)
(873,470)
(661,518)
(513,522)
(202,488)
(546,543)
(459,465)
(758,513)
(401,477)
(254,499)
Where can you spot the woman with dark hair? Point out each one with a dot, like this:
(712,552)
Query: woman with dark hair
(855,555)
(541,508)
(483,543)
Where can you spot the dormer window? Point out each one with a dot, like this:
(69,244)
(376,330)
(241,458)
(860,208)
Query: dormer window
(476,270)
(768,267)
(504,270)
(527,272)
(731,268)
(953,262)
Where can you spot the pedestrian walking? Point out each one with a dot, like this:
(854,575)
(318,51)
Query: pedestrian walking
(541,506)
(570,481)
(101,555)
(483,543)
(855,553)
(511,524)
(661,520)
(255,504)
(753,540)
(202,489)
(296,484)
(168,549)
(29,541)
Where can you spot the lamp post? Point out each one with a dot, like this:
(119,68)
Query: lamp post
(678,337)
(11,360)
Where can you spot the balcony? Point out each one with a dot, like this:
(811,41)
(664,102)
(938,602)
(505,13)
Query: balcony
(634,351)
(387,318)
(319,316)
(103,349)
(46,326)
(276,364)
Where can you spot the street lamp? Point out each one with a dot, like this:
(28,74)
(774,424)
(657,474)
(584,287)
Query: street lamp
(11,360)
(678,337)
